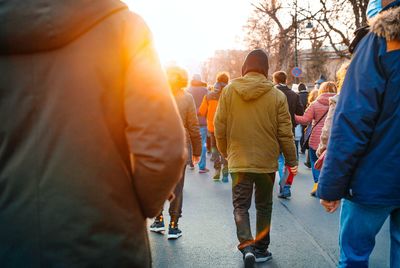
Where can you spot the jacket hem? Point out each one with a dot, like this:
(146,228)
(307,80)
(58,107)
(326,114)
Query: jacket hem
(252,170)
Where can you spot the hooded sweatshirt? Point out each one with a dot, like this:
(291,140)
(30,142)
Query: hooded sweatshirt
(83,97)
(253,124)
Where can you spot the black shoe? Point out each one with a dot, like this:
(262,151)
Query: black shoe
(173,231)
(248,257)
(262,256)
(158,226)
(307,164)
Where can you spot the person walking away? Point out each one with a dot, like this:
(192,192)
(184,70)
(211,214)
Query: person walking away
(295,108)
(208,108)
(326,130)
(303,95)
(178,80)
(252,126)
(83,160)
(198,90)
(312,96)
(364,172)
(316,114)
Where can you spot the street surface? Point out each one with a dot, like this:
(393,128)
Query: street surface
(302,235)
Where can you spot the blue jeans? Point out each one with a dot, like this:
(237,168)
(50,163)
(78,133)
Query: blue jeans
(203,132)
(359,224)
(313,159)
(281,166)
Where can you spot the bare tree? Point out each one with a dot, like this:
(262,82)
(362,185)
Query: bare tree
(223,61)
(268,28)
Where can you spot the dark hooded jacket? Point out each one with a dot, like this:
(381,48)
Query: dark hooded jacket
(252,123)
(363,152)
(82,97)
(295,105)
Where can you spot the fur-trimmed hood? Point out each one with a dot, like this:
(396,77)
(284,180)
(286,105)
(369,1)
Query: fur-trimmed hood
(387,24)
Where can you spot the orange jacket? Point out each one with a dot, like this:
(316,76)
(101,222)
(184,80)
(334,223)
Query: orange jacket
(208,108)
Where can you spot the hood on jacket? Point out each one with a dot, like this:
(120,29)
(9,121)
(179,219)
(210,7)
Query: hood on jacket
(256,61)
(387,23)
(41,25)
(252,86)
(324,98)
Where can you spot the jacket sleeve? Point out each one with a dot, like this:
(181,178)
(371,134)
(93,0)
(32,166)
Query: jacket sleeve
(355,118)
(203,107)
(326,130)
(220,123)
(285,134)
(193,127)
(307,118)
(154,129)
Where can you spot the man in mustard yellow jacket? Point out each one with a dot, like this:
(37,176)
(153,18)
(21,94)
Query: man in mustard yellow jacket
(252,125)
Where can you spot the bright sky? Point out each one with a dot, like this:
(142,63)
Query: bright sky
(187,31)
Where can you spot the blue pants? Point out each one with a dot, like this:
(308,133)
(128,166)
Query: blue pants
(359,224)
(203,132)
(313,159)
(281,166)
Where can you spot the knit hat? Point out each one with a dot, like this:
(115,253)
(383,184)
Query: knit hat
(256,61)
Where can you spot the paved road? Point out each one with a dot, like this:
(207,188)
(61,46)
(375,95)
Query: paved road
(302,234)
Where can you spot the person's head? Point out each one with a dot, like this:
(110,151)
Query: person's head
(177,78)
(302,87)
(256,61)
(223,77)
(320,80)
(327,87)
(341,74)
(279,77)
(196,81)
(312,96)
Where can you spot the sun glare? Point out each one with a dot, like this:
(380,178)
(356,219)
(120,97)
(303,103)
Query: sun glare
(189,31)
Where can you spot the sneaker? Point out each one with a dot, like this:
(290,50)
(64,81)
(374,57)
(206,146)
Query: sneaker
(174,232)
(285,193)
(225,174)
(262,256)
(158,226)
(191,167)
(314,189)
(248,257)
(204,170)
(217,175)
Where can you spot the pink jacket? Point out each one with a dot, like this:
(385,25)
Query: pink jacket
(315,112)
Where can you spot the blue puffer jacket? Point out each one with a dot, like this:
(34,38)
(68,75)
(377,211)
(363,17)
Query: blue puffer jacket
(363,156)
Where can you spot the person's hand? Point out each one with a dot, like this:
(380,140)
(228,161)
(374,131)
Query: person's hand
(195,160)
(330,206)
(293,170)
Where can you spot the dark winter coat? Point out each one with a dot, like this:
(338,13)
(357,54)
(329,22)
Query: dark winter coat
(303,95)
(363,152)
(198,91)
(82,96)
(295,105)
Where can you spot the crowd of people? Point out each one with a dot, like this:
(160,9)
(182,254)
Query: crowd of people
(96,136)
